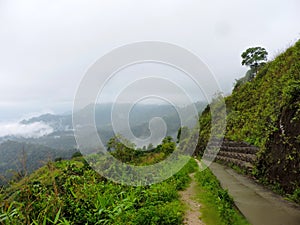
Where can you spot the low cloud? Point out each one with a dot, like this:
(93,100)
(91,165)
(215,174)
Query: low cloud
(33,130)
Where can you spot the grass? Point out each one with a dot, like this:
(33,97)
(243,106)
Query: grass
(70,192)
(217,206)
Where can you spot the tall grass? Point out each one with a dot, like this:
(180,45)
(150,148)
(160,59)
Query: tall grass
(72,193)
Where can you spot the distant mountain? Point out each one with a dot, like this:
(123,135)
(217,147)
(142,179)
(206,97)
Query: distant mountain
(57,122)
(63,138)
(61,142)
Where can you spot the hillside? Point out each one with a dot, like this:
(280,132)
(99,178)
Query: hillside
(265,112)
(71,192)
(19,159)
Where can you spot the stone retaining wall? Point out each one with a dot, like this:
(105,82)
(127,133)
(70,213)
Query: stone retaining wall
(240,154)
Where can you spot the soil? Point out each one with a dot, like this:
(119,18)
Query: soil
(280,162)
(188,196)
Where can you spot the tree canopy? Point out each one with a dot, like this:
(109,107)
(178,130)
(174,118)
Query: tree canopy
(254,57)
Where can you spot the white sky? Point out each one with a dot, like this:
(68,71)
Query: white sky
(46,46)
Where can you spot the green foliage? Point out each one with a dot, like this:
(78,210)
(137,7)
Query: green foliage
(254,109)
(218,206)
(295,196)
(254,57)
(76,154)
(266,113)
(18,159)
(205,129)
(182,133)
(70,192)
(248,77)
(212,124)
(126,152)
(291,91)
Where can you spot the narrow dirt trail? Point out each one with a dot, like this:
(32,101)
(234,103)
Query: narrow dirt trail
(188,196)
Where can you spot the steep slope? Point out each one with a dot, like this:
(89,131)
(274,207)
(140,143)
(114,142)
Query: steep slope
(266,113)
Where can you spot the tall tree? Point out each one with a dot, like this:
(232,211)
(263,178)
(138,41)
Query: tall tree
(254,57)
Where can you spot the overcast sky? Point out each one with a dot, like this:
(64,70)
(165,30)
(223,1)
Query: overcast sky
(47,46)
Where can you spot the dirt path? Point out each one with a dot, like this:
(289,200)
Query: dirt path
(188,196)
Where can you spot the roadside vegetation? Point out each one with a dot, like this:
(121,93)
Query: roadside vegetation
(217,206)
(70,192)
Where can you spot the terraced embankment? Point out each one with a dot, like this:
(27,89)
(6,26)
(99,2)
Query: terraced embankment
(258,204)
(240,154)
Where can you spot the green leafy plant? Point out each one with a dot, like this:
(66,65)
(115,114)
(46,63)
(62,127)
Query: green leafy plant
(218,206)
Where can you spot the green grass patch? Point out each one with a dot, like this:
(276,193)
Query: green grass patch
(217,206)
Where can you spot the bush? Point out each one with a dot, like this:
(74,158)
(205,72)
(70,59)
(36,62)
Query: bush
(72,193)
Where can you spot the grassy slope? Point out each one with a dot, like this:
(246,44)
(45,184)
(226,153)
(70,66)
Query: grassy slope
(69,192)
(255,107)
(257,112)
